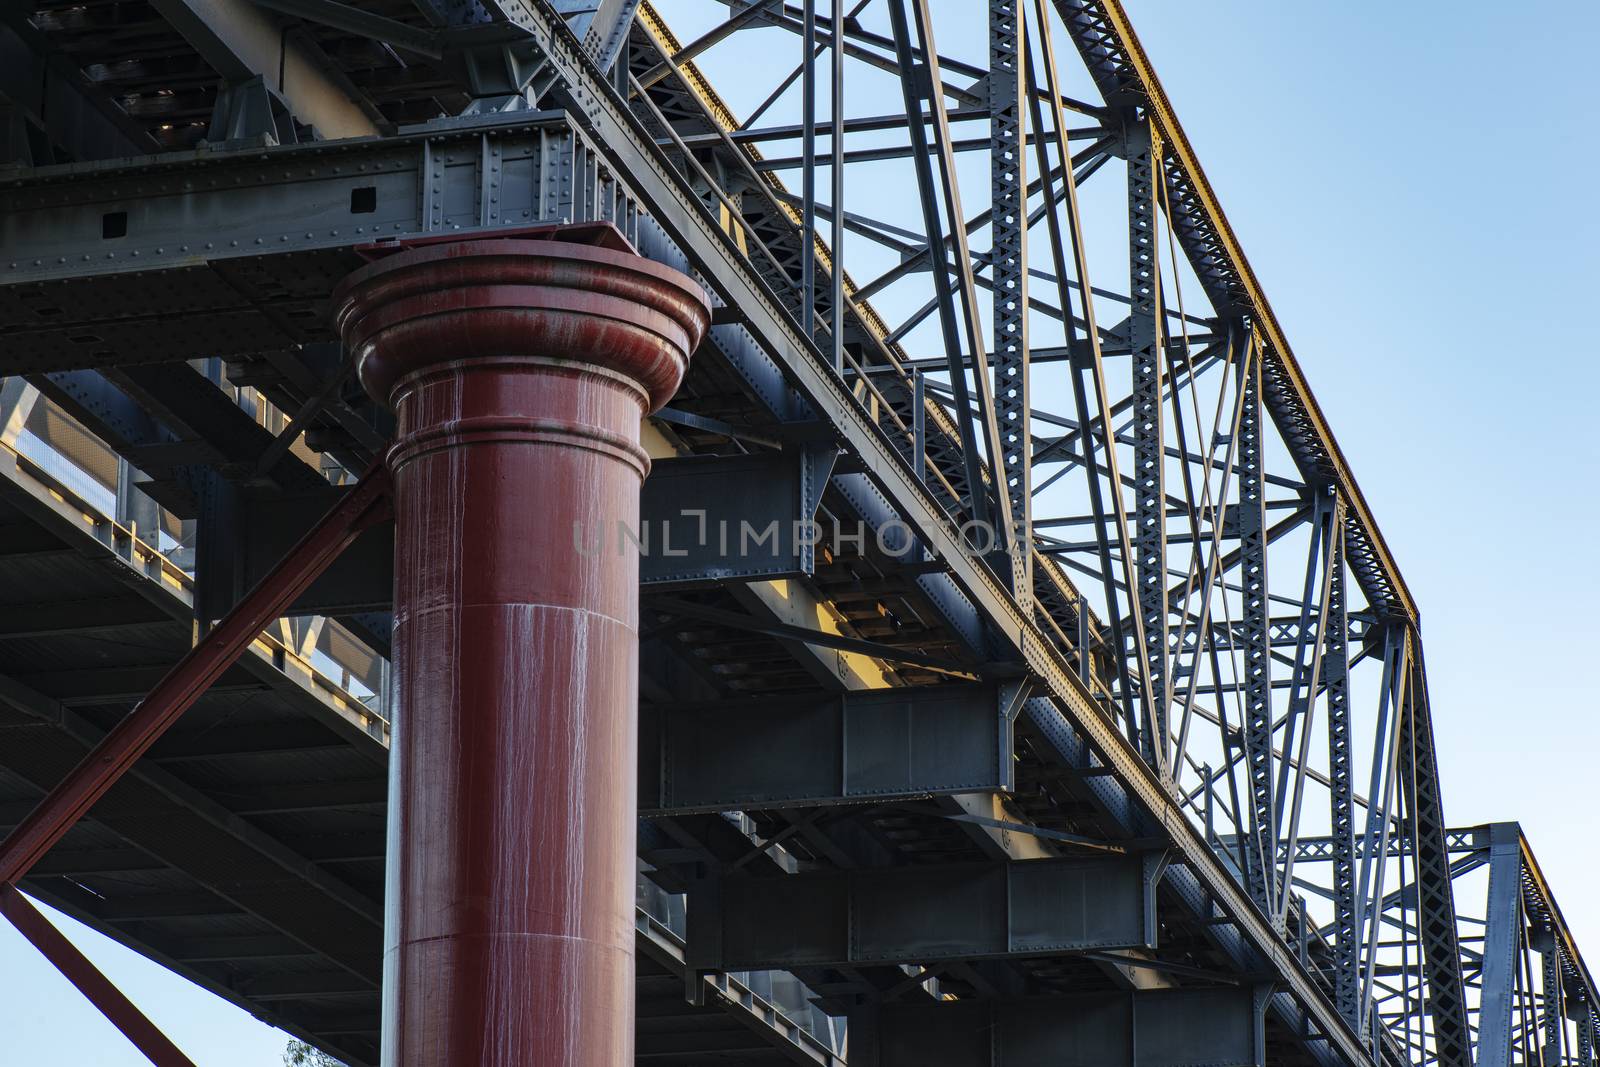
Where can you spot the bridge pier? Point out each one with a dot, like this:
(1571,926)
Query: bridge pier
(518,371)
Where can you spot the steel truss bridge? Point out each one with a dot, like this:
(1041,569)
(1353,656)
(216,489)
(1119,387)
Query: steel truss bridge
(1077,711)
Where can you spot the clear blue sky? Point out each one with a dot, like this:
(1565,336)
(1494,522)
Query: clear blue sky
(1407,180)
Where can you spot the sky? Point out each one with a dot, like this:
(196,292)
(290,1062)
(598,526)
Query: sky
(1407,182)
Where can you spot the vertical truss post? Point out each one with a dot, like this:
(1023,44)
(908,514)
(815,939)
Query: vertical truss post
(808,174)
(1341,793)
(1143,147)
(88,979)
(1257,633)
(836,178)
(363,506)
(1551,1005)
(919,425)
(1436,906)
(1585,1027)
(1502,936)
(1008,185)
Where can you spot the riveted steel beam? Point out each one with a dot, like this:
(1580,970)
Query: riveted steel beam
(844,748)
(920,913)
(1186,1027)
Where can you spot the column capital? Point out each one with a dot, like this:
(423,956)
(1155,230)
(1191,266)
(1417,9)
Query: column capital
(494,298)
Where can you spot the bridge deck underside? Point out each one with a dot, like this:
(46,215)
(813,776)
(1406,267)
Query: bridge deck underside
(245,851)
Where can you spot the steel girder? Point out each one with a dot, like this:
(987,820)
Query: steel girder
(944,219)
(1216,1027)
(923,912)
(735,995)
(703,520)
(177,212)
(856,747)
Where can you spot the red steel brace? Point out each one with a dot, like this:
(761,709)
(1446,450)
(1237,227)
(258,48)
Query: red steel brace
(101,991)
(364,506)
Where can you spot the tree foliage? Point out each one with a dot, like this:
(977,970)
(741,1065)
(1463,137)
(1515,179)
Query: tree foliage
(300,1054)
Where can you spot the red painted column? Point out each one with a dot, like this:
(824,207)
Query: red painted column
(518,371)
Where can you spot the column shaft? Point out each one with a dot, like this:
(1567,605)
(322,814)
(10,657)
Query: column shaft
(518,372)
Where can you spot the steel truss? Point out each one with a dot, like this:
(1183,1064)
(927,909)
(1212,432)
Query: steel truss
(1529,995)
(1239,683)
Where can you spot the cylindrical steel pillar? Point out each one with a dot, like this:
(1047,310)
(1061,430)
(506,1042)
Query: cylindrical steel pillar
(518,371)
